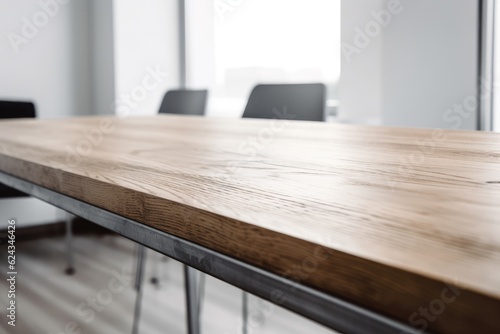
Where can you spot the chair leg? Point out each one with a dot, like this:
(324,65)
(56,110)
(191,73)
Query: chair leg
(158,270)
(70,269)
(139,274)
(201,291)
(155,278)
(244,302)
(192,300)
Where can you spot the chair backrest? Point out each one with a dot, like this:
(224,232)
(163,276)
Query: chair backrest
(301,102)
(15,109)
(184,102)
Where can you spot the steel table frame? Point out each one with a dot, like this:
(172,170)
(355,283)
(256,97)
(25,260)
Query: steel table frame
(318,306)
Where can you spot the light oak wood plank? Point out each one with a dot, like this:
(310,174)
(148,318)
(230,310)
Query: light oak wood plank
(384,217)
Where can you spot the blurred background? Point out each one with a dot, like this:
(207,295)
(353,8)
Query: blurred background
(420,63)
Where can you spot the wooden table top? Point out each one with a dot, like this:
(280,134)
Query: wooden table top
(393,219)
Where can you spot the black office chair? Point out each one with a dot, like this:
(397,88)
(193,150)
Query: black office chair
(184,102)
(303,102)
(299,102)
(17,109)
(14,109)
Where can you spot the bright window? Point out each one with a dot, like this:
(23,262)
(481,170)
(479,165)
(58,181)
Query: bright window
(234,45)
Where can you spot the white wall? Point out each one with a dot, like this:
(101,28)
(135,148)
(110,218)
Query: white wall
(496,74)
(360,86)
(430,64)
(422,63)
(200,44)
(145,41)
(102,56)
(50,68)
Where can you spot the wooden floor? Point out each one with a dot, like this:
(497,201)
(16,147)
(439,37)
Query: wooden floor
(48,300)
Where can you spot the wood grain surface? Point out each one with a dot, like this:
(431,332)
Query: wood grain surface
(405,222)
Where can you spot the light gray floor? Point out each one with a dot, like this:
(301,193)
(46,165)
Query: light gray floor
(49,301)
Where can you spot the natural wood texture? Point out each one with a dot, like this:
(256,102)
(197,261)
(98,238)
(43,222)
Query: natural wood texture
(352,210)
